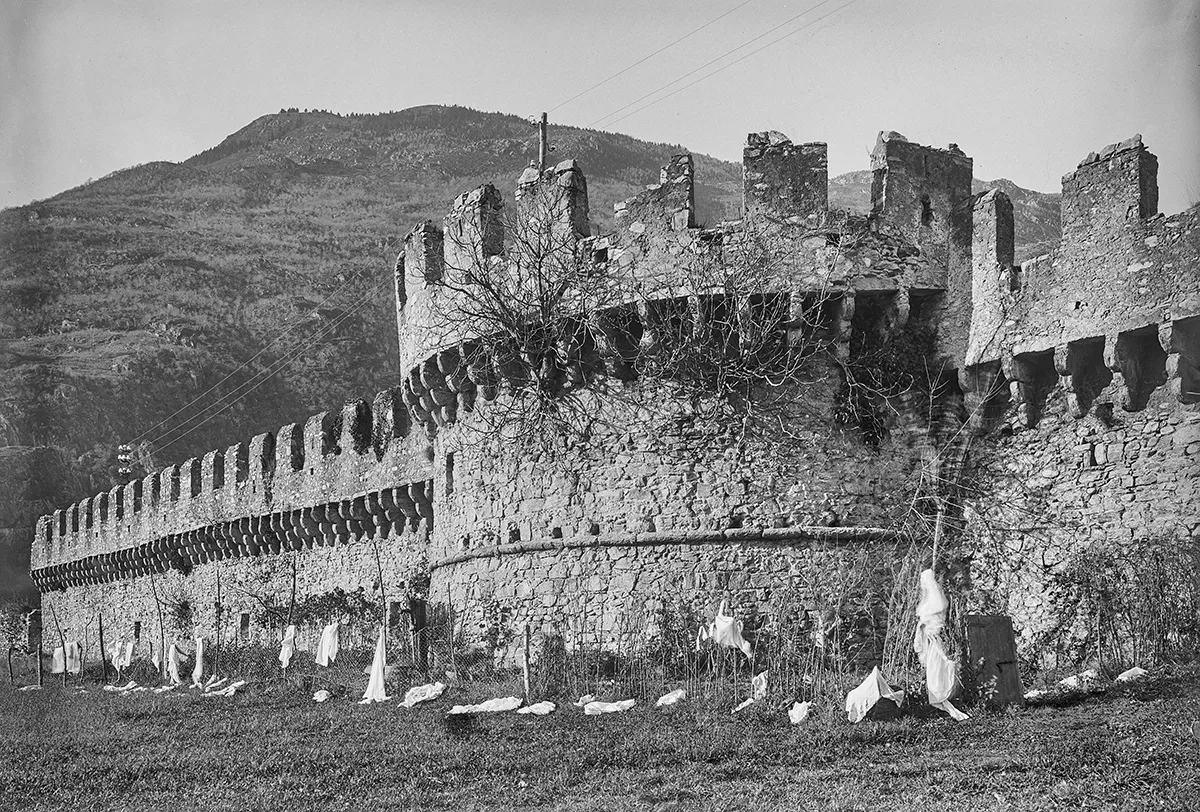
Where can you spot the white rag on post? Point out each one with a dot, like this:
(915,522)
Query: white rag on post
(126,655)
(288,648)
(598,708)
(941,673)
(69,661)
(327,647)
(174,660)
(868,693)
(504,705)
(725,630)
(376,692)
(423,693)
(156,658)
(198,669)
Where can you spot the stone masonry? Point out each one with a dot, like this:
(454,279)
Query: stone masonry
(1068,386)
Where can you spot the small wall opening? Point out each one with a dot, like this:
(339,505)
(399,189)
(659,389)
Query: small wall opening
(926,211)
(1037,377)
(874,319)
(218,471)
(1185,342)
(1143,364)
(361,427)
(244,626)
(450,473)
(137,630)
(331,433)
(241,463)
(398,277)
(102,504)
(89,520)
(174,483)
(137,495)
(120,503)
(296,451)
(75,518)
(194,477)
(1089,374)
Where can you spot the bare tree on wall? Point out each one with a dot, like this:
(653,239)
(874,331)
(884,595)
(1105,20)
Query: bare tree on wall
(723,342)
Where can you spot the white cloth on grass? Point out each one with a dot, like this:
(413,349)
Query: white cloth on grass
(538,708)
(868,693)
(174,660)
(322,696)
(327,647)
(598,708)
(508,703)
(423,693)
(376,691)
(941,673)
(799,712)
(1132,674)
(583,700)
(228,690)
(758,691)
(70,660)
(725,630)
(288,647)
(670,698)
(198,668)
(1090,681)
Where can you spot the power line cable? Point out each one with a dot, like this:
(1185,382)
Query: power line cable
(239,368)
(768,32)
(278,366)
(648,57)
(723,67)
(291,352)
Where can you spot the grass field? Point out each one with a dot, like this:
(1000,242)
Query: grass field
(274,749)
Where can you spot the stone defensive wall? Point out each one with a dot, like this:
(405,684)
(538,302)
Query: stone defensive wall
(1067,385)
(1083,369)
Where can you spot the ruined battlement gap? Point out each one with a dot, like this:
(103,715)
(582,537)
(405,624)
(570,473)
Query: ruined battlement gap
(1114,312)
(657,242)
(298,486)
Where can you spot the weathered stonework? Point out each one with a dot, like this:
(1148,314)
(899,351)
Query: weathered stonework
(1088,359)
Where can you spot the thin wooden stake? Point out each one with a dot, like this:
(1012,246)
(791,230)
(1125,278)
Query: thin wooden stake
(525,664)
(103,653)
(162,634)
(62,640)
(216,665)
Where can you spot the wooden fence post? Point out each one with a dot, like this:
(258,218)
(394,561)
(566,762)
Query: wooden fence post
(103,653)
(525,663)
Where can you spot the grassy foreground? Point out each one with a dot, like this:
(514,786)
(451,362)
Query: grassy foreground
(277,750)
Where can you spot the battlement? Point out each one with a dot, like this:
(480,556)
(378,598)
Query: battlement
(1110,314)
(332,456)
(784,180)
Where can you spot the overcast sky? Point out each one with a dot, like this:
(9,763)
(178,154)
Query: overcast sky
(1026,87)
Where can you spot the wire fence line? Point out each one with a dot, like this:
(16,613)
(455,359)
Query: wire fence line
(810,650)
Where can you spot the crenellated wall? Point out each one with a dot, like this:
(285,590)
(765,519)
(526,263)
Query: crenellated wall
(1083,374)
(1092,348)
